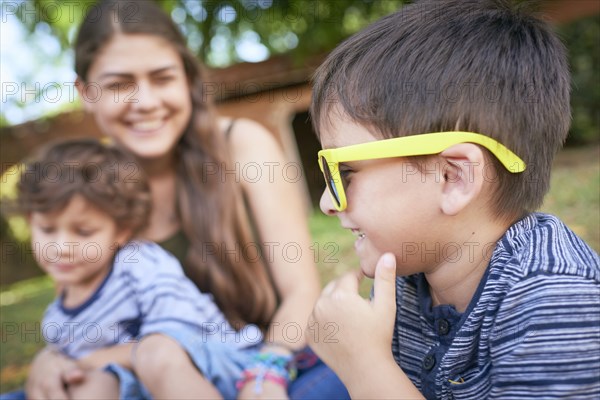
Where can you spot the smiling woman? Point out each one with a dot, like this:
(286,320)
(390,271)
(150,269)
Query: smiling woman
(141,79)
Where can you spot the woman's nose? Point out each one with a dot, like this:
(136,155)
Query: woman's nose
(145,97)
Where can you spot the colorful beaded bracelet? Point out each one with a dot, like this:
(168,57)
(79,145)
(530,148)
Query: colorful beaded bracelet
(271,367)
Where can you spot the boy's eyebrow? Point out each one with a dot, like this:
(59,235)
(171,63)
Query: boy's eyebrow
(128,75)
(81,221)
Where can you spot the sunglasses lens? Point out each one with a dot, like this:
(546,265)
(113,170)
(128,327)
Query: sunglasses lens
(330,181)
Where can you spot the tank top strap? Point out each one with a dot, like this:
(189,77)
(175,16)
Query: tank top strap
(229,129)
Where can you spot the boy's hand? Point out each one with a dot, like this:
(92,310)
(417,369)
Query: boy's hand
(49,375)
(270,390)
(347,331)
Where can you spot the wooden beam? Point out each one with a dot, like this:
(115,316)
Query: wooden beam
(560,12)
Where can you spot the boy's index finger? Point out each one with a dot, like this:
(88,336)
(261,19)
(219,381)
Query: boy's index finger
(384,293)
(349,281)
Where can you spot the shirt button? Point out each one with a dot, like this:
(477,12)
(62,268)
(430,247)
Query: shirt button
(429,362)
(443,327)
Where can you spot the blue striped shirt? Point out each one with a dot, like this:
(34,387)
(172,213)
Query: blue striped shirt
(532,329)
(145,292)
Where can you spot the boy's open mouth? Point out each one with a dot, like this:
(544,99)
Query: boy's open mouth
(358,233)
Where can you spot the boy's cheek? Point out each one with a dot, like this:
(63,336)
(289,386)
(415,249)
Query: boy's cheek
(42,262)
(44,253)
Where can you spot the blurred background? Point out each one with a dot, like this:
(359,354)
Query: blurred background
(260,56)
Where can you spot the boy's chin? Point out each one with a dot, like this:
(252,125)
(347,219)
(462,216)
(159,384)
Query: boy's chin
(368,256)
(368,267)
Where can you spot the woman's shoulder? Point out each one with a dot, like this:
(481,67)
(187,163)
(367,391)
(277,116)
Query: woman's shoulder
(233,125)
(248,139)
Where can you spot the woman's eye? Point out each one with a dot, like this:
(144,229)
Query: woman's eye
(120,86)
(164,78)
(47,229)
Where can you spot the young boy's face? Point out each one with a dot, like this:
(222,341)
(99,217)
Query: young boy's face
(75,245)
(391,205)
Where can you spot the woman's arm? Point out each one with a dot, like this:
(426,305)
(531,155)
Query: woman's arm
(277,207)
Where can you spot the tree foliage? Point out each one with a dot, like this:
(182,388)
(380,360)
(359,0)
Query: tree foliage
(305,26)
(220,33)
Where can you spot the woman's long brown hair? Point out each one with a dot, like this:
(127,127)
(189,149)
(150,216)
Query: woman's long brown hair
(211,208)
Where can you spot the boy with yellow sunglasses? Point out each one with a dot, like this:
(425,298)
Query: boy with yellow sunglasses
(439,125)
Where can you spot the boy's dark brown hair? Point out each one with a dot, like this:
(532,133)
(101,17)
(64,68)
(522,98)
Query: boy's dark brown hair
(483,66)
(104,175)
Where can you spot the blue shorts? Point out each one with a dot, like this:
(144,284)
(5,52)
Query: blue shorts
(220,363)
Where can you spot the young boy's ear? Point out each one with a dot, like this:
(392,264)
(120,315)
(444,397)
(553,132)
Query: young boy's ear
(82,90)
(123,236)
(463,176)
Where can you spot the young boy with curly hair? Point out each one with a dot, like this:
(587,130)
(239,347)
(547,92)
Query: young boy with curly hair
(85,201)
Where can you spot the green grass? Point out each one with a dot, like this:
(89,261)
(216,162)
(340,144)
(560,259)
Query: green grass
(575,192)
(21,309)
(574,197)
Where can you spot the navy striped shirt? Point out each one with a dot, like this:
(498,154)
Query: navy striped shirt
(145,292)
(532,329)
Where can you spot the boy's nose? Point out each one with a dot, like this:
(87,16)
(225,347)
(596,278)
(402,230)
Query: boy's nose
(326,204)
(65,245)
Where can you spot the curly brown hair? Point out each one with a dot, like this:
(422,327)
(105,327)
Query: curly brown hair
(104,175)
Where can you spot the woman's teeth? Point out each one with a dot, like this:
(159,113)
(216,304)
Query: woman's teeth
(147,125)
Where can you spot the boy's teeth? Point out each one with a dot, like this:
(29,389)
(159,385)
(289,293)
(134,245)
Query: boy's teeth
(358,233)
(147,125)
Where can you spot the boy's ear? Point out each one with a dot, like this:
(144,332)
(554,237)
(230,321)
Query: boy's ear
(463,176)
(81,89)
(123,236)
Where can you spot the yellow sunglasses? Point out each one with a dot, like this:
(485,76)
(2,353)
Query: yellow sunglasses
(406,146)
